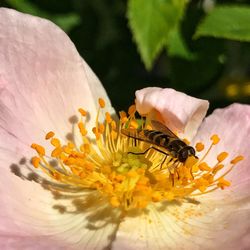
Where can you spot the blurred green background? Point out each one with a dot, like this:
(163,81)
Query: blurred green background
(110,36)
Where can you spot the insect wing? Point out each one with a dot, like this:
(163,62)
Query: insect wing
(161,127)
(135,134)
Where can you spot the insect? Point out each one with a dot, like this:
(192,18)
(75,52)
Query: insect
(163,138)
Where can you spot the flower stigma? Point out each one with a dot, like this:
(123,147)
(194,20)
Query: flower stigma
(129,172)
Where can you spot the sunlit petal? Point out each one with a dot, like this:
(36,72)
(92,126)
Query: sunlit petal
(232,124)
(212,221)
(43,81)
(180,112)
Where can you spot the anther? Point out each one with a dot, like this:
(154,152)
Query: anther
(133,124)
(237,159)
(56,152)
(82,112)
(39,149)
(215,138)
(204,167)
(222,156)
(101,102)
(55,142)
(82,129)
(35,161)
(222,183)
(199,146)
(101,128)
(49,135)
(108,117)
(131,110)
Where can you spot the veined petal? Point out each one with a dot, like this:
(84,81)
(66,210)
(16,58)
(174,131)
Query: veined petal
(232,124)
(33,206)
(189,225)
(217,220)
(30,243)
(178,111)
(43,80)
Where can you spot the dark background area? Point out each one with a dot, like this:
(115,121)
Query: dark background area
(220,72)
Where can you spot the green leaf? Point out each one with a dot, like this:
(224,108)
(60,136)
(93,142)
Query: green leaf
(230,22)
(150,22)
(177,47)
(65,21)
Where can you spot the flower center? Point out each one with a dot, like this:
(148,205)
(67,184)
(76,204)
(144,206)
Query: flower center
(131,171)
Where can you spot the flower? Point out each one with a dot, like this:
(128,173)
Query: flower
(43,81)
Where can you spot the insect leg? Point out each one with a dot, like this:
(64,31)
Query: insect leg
(152,147)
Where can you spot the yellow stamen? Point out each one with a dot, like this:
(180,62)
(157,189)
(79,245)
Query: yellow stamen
(82,129)
(122,169)
(204,167)
(101,102)
(55,142)
(49,135)
(215,139)
(35,161)
(108,117)
(222,183)
(133,124)
(82,112)
(199,146)
(222,156)
(237,159)
(39,149)
(131,110)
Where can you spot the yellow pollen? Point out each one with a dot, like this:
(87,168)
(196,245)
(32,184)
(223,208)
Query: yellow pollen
(101,102)
(199,146)
(131,110)
(204,167)
(55,142)
(101,128)
(35,161)
(217,168)
(128,171)
(39,149)
(133,124)
(237,159)
(82,129)
(215,139)
(49,135)
(222,183)
(56,152)
(222,156)
(82,112)
(108,117)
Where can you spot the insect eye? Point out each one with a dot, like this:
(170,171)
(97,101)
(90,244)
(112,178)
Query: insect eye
(183,155)
(191,151)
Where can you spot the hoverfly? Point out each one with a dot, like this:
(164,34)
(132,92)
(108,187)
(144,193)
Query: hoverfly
(164,138)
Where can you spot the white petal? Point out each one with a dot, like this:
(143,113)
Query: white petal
(185,226)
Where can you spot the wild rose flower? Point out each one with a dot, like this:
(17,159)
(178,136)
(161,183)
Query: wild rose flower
(92,190)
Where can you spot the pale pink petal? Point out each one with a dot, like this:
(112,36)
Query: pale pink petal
(232,125)
(30,243)
(43,82)
(34,209)
(178,111)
